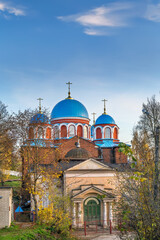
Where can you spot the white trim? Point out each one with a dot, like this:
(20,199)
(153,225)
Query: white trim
(68,126)
(95,137)
(87,174)
(60,126)
(55,119)
(87,131)
(92,198)
(82,125)
(117,131)
(111,134)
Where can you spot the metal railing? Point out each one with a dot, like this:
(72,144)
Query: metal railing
(96,227)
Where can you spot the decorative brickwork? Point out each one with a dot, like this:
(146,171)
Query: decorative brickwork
(69,144)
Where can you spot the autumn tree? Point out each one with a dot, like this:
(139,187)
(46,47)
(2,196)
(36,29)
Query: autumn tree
(7,141)
(39,162)
(137,207)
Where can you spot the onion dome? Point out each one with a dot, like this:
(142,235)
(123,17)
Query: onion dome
(40,118)
(69,107)
(104,119)
(78,153)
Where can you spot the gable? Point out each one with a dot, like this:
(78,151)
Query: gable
(93,190)
(66,145)
(90,164)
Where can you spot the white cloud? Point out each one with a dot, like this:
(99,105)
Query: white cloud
(110,16)
(8,9)
(153,12)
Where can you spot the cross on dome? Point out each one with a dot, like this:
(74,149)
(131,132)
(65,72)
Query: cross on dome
(40,107)
(69,89)
(104,100)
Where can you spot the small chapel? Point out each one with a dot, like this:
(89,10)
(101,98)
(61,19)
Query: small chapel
(88,156)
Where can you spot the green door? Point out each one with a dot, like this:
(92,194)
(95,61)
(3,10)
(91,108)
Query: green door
(92,213)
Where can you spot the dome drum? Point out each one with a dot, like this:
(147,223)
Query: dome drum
(66,130)
(40,132)
(75,120)
(105,132)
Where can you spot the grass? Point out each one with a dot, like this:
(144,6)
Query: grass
(14,177)
(16,233)
(36,232)
(14,184)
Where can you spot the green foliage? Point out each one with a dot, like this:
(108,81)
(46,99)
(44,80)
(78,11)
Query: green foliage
(37,232)
(56,215)
(136,207)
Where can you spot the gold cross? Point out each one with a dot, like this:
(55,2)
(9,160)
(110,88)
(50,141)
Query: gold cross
(104,100)
(94,114)
(69,88)
(40,109)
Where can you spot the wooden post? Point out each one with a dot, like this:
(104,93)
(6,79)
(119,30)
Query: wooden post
(85,232)
(96,226)
(110,226)
(14,212)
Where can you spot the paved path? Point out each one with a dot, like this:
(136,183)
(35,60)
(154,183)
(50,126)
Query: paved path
(106,237)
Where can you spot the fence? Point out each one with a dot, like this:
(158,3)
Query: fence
(25,216)
(96,227)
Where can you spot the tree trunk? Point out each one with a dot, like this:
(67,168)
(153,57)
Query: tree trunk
(36,208)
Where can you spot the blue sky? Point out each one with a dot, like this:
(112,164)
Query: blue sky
(107,49)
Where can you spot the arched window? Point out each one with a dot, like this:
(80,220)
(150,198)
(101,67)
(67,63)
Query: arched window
(63,131)
(115,133)
(98,133)
(85,129)
(56,132)
(40,132)
(71,131)
(107,133)
(31,133)
(79,131)
(48,133)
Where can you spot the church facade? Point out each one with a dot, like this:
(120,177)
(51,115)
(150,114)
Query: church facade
(88,157)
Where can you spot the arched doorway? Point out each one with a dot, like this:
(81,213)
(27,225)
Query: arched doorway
(92,211)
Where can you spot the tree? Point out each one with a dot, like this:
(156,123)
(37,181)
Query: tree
(137,207)
(39,162)
(7,150)
(57,213)
(150,124)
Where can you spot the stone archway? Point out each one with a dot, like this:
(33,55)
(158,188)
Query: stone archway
(92,211)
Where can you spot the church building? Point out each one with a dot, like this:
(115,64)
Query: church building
(88,156)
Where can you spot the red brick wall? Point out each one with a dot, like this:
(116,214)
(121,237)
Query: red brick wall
(107,155)
(69,144)
(112,155)
(120,157)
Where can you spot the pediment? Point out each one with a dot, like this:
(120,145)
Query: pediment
(90,164)
(95,191)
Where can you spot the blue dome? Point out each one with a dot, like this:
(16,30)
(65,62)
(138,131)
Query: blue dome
(40,118)
(104,119)
(69,108)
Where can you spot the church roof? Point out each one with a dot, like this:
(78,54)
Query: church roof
(40,118)
(69,107)
(78,153)
(107,143)
(104,119)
